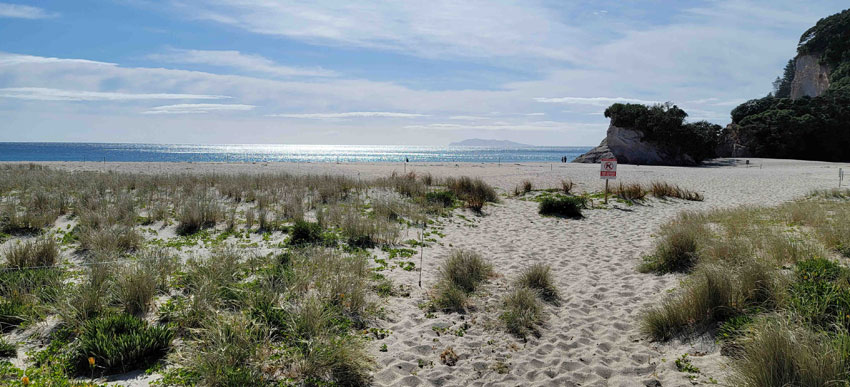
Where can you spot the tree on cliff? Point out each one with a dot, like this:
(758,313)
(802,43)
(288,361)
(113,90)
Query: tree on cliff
(807,128)
(664,125)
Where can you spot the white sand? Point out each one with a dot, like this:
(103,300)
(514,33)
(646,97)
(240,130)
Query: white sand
(592,338)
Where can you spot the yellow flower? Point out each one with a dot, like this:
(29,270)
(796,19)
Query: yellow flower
(25,380)
(91,361)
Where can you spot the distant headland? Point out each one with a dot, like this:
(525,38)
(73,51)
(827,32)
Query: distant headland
(490,142)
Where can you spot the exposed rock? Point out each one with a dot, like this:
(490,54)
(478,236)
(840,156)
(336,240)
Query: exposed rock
(731,144)
(628,147)
(811,78)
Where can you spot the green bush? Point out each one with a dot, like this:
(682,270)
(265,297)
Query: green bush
(305,233)
(821,293)
(567,206)
(119,343)
(442,197)
(7,349)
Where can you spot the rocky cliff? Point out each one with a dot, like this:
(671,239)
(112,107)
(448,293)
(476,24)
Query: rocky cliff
(628,147)
(811,77)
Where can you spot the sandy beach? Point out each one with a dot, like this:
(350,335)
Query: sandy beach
(592,337)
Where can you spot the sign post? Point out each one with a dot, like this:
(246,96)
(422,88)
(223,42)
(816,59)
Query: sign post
(607,172)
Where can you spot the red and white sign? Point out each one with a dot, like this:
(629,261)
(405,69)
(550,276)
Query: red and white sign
(609,169)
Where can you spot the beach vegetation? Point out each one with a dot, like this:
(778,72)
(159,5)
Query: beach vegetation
(539,277)
(522,312)
(564,206)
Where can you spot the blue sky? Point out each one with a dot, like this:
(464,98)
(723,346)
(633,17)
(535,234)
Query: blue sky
(380,72)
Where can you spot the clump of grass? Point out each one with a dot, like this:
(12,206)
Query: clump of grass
(119,343)
(7,349)
(474,192)
(115,238)
(566,206)
(539,278)
(460,274)
(305,233)
(820,294)
(677,250)
(134,288)
(199,211)
(228,351)
(567,186)
(663,190)
(629,192)
(522,311)
(780,354)
(527,186)
(41,252)
(708,297)
(441,197)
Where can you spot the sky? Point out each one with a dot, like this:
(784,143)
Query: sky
(379,72)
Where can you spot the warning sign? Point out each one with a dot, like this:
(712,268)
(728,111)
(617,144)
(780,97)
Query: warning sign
(609,169)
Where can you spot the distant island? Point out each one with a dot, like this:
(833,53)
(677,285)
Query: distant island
(490,142)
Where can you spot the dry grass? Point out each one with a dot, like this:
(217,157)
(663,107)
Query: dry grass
(40,252)
(539,278)
(629,191)
(523,312)
(460,275)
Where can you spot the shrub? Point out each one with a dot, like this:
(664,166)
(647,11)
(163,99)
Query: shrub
(523,311)
(567,206)
(304,233)
(539,278)
(119,343)
(442,197)
(33,253)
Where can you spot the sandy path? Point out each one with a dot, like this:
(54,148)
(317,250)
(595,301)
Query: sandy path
(592,338)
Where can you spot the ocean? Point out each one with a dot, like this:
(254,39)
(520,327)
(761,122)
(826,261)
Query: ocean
(56,151)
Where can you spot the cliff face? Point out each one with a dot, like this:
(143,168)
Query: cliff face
(627,146)
(811,78)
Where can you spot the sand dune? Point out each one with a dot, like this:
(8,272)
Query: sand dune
(592,337)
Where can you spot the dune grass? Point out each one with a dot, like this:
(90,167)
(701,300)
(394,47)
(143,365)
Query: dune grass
(460,275)
(775,271)
(565,206)
(522,312)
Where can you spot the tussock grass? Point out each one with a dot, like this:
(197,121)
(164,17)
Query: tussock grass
(677,249)
(134,289)
(474,192)
(664,190)
(523,311)
(629,191)
(567,186)
(539,277)
(229,350)
(199,211)
(32,253)
(780,354)
(460,274)
(565,206)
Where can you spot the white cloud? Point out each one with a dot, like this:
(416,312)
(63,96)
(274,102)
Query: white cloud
(333,116)
(23,12)
(46,94)
(199,108)
(7,59)
(468,118)
(544,126)
(237,60)
(595,101)
(475,28)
